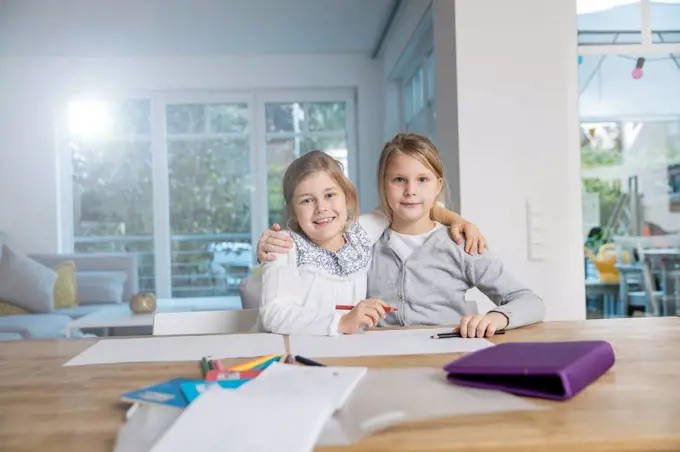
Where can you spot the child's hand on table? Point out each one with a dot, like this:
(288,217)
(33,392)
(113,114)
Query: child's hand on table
(482,325)
(367,312)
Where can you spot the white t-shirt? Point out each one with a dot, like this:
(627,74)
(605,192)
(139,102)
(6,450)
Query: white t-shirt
(405,244)
(300,289)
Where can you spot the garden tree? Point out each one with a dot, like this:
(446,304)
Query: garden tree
(209,174)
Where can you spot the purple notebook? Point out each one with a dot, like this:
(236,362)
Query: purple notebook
(551,370)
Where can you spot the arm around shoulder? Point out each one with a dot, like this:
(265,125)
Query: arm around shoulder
(513,299)
(374,223)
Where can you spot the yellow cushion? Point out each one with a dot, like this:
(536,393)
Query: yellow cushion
(10,309)
(65,293)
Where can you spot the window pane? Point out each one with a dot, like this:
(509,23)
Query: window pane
(186,119)
(433,122)
(192,119)
(113,208)
(228,118)
(600,144)
(210,187)
(430,77)
(418,94)
(665,21)
(335,147)
(327,116)
(280,152)
(407,96)
(419,123)
(284,117)
(132,117)
(610,22)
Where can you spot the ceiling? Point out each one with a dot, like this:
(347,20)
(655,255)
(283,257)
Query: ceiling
(104,28)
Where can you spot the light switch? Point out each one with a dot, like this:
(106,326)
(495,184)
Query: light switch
(535,225)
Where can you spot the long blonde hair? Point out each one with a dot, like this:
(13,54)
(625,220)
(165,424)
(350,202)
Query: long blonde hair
(413,145)
(305,166)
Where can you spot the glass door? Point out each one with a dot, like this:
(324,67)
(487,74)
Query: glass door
(210,194)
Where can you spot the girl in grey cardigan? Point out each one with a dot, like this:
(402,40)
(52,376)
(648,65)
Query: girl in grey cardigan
(417,268)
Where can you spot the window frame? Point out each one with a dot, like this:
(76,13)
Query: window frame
(415,57)
(646,46)
(428,107)
(256,101)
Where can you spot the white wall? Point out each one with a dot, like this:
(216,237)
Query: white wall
(32,88)
(517,128)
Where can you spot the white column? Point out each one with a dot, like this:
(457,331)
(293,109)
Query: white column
(507,124)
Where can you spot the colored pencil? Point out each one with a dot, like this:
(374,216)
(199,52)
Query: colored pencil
(266,364)
(250,365)
(204,366)
(345,307)
(217,365)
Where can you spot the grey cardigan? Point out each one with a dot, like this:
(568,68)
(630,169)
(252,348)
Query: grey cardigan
(429,287)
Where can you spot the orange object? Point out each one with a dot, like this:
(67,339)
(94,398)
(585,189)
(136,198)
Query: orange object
(606,261)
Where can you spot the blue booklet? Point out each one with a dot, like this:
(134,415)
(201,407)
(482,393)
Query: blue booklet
(166,393)
(193,388)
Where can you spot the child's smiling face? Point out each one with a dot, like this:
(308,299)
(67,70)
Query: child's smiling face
(321,209)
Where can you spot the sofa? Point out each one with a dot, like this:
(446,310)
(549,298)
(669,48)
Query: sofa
(50,325)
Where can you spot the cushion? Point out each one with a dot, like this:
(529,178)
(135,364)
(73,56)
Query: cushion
(65,287)
(35,326)
(10,309)
(26,283)
(96,287)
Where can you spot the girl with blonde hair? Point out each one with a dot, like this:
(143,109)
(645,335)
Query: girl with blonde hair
(419,270)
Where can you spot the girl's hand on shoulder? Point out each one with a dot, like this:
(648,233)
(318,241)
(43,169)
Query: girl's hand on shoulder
(482,325)
(271,242)
(474,240)
(367,312)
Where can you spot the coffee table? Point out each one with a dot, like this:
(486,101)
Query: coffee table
(121,317)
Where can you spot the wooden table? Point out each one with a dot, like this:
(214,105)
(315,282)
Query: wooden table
(635,406)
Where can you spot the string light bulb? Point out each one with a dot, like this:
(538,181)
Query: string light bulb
(637,72)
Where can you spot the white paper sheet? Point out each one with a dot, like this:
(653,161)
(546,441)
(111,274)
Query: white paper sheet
(223,419)
(392,342)
(179,348)
(333,383)
(382,398)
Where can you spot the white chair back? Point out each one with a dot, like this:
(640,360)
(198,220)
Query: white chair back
(204,322)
